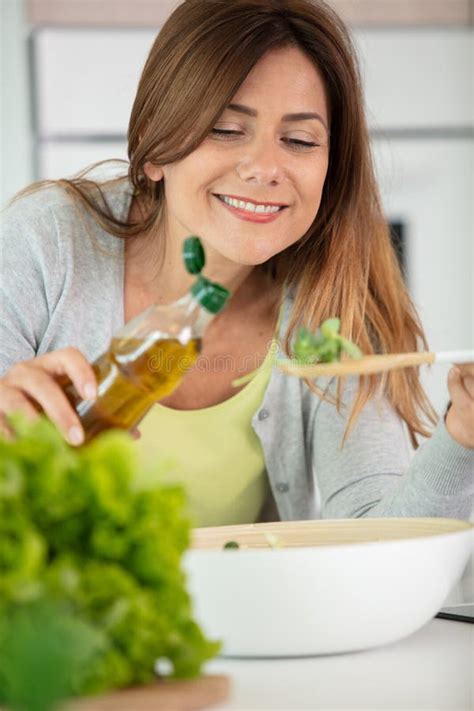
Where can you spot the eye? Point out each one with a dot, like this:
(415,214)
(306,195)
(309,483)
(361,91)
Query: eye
(299,144)
(225,133)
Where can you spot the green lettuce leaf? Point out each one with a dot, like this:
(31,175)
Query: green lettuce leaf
(79,532)
(325,346)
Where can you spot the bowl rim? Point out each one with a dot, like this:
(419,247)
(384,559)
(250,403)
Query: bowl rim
(460,528)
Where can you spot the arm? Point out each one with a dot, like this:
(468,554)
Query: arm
(376,475)
(29,278)
(30,287)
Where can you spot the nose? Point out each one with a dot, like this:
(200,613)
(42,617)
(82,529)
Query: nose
(262,164)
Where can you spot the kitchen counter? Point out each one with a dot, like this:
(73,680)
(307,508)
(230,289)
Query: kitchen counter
(430,669)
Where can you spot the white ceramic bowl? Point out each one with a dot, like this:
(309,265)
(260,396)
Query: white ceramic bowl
(336,585)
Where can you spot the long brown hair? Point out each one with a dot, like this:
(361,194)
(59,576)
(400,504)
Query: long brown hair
(345,264)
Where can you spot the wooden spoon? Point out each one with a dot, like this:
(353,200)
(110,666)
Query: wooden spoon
(372,364)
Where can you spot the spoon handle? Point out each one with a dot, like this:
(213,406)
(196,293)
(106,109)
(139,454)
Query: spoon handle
(373,364)
(454,357)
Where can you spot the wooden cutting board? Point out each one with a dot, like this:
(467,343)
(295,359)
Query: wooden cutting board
(164,695)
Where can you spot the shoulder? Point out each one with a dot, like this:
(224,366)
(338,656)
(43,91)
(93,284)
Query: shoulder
(34,205)
(40,201)
(33,215)
(28,233)
(48,218)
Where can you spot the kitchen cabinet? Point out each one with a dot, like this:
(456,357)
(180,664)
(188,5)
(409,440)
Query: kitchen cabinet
(84,85)
(58,159)
(417,80)
(85,80)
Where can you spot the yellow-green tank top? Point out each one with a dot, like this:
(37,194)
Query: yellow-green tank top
(213,452)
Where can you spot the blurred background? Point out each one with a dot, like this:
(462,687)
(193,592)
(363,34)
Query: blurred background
(69,73)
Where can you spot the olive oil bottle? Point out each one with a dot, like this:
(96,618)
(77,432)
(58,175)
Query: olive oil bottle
(149,356)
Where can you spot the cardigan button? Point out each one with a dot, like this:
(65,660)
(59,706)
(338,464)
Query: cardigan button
(282,487)
(263,414)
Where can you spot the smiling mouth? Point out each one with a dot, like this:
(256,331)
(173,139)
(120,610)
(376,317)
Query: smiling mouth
(251,207)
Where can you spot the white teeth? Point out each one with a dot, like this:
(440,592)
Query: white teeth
(249,206)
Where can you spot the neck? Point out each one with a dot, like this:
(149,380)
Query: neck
(174,281)
(154,264)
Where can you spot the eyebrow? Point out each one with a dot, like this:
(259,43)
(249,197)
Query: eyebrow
(301,116)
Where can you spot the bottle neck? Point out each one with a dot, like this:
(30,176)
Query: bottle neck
(199,317)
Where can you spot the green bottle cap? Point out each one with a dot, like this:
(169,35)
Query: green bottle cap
(193,255)
(211,296)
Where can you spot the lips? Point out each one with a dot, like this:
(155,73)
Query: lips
(281,205)
(249,216)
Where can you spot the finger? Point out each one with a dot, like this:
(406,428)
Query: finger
(467,376)
(136,434)
(5,430)
(70,362)
(13,400)
(44,390)
(468,382)
(459,395)
(465,368)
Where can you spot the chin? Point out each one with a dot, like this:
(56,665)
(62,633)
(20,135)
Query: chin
(253,254)
(250,259)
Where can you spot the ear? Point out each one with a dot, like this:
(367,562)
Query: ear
(153,172)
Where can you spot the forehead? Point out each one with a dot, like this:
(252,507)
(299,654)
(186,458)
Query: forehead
(287,77)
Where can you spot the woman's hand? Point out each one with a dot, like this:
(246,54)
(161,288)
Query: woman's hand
(34,386)
(460,417)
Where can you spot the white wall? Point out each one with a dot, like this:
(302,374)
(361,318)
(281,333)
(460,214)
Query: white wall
(16,156)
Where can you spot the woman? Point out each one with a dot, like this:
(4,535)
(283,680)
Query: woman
(247,130)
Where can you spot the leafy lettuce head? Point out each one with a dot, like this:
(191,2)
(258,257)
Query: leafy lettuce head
(76,530)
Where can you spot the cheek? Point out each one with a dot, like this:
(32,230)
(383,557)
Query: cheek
(315,185)
(194,181)
(201,163)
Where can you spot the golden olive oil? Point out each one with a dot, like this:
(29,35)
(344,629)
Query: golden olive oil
(132,375)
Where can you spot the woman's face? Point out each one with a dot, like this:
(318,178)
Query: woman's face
(256,154)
